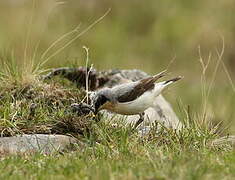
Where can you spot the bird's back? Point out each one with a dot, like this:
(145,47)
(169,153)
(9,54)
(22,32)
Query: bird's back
(130,91)
(123,90)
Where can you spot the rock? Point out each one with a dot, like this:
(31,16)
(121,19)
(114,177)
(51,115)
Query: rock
(224,140)
(162,111)
(41,143)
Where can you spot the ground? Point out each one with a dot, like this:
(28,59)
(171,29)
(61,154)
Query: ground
(108,152)
(128,161)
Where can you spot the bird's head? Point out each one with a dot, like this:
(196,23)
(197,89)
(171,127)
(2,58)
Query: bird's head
(98,100)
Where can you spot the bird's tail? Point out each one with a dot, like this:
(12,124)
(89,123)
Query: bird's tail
(170,81)
(159,75)
(159,87)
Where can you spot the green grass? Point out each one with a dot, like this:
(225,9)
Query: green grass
(109,152)
(125,157)
(97,163)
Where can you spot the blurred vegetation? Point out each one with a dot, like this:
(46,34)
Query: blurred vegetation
(144,35)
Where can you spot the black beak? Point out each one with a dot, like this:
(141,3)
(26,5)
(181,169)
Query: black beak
(92,109)
(95,111)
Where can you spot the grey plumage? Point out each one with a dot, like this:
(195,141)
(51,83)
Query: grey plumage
(130,98)
(130,91)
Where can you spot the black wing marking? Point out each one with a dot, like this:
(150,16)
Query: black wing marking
(141,87)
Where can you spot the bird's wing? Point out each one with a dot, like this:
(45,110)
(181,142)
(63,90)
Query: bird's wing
(129,92)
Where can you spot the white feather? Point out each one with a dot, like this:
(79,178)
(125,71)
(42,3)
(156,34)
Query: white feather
(140,104)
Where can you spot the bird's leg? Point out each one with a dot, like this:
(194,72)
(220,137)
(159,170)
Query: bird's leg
(141,119)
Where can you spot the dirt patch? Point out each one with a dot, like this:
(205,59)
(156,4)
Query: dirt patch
(43,109)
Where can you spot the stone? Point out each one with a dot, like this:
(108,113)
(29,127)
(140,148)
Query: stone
(224,140)
(36,143)
(162,112)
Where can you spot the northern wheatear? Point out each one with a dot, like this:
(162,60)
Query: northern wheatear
(130,98)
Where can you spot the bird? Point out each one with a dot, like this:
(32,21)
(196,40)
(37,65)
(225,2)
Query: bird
(130,98)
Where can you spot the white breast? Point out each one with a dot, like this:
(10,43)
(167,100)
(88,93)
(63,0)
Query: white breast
(134,107)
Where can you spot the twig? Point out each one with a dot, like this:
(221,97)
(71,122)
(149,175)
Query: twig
(76,37)
(75,30)
(171,62)
(28,33)
(203,80)
(87,72)
(220,54)
(229,77)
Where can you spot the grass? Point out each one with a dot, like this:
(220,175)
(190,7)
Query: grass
(121,154)
(109,152)
(141,162)
(204,100)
